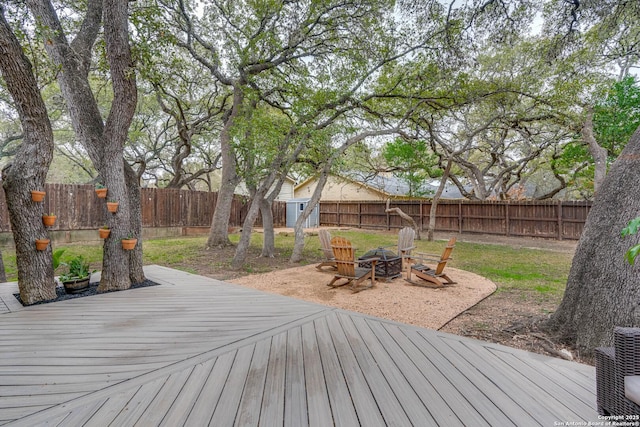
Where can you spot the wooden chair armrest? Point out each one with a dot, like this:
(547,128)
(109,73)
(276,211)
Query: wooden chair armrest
(407,249)
(425,257)
(372,260)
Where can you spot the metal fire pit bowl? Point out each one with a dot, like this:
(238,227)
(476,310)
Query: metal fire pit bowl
(389,265)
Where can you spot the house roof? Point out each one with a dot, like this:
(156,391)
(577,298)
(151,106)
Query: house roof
(391,186)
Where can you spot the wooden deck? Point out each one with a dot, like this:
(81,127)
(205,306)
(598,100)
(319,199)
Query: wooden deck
(196,351)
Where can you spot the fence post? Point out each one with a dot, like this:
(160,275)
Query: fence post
(338,213)
(506,215)
(559,212)
(388,221)
(359,215)
(460,216)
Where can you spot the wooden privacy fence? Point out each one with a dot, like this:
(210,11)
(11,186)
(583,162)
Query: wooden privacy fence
(550,219)
(78,208)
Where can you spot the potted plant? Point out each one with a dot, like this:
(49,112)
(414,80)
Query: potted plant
(37,196)
(76,279)
(41,244)
(101,191)
(48,220)
(104,231)
(112,206)
(129,242)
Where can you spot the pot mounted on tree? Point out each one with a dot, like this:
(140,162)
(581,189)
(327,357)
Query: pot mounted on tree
(41,244)
(112,207)
(129,244)
(37,196)
(48,220)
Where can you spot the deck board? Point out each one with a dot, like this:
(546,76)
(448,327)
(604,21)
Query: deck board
(363,400)
(403,392)
(272,410)
(178,411)
(296,410)
(197,351)
(319,408)
(391,407)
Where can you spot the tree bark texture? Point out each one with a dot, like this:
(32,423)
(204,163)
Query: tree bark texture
(602,289)
(136,273)
(269,243)
(247,227)
(598,153)
(27,171)
(219,233)
(116,266)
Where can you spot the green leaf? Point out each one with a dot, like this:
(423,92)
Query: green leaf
(632,253)
(56,257)
(632,227)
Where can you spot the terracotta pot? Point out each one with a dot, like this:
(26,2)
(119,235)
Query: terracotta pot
(112,206)
(129,244)
(37,196)
(101,192)
(41,244)
(76,286)
(48,220)
(104,232)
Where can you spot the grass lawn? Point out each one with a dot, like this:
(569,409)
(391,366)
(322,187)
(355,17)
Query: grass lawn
(533,272)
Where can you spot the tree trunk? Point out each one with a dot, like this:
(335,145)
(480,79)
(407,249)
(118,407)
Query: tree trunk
(27,171)
(115,262)
(436,199)
(602,289)
(298,244)
(269,242)
(598,153)
(247,226)
(136,274)
(116,268)
(3,273)
(219,233)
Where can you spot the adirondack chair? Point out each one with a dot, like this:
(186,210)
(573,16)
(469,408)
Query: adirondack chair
(348,266)
(405,243)
(325,243)
(431,277)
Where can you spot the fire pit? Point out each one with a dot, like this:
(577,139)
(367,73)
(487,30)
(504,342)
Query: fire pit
(389,265)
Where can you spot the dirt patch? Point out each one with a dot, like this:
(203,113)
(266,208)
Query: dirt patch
(394,299)
(516,318)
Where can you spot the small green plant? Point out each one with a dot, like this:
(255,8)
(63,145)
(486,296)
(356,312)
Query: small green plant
(105,227)
(77,269)
(56,257)
(99,185)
